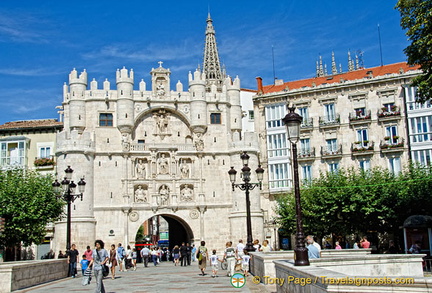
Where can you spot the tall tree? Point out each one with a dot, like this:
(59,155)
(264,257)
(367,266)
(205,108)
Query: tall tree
(28,203)
(416,18)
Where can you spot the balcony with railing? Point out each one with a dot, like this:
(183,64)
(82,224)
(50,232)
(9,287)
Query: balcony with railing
(331,152)
(306,154)
(141,147)
(392,144)
(307,124)
(329,122)
(362,148)
(357,117)
(388,114)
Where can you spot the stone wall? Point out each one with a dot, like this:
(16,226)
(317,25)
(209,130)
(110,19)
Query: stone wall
(18,275)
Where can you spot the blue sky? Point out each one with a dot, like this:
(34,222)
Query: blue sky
(41,41)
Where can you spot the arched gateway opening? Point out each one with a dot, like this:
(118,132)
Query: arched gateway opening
(163,230)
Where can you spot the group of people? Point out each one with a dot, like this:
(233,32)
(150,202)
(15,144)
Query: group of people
(314,249)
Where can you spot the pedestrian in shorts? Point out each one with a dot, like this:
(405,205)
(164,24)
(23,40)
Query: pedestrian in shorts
(214,261)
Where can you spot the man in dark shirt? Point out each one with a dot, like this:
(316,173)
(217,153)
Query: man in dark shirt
(72,256)
(189,253)
(183,254)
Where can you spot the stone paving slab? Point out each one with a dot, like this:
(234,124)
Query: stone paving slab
(163,278)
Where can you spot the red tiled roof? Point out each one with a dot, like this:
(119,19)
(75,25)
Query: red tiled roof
(352,75)
(25,124)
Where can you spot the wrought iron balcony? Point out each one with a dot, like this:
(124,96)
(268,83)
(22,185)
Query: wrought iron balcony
(326,122)
(359,118)
(307,124)
(385,114)
(306,154)
(392,144)
(328,152)
(360,148)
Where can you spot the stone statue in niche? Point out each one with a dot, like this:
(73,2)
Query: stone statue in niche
(163,195)
(186,194)
(184,169)
(140,195)
(162,121)
(199,143)
(163,165)
(160,89)
(140,170)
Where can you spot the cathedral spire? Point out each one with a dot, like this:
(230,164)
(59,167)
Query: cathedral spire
(211,64)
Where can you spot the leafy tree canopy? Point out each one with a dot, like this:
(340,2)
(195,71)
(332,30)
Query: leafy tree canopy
(349,202)
(416,18)
(28,203)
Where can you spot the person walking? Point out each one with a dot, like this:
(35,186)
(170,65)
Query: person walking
(84,263)
(214,262)
(128,258)
(121,253)
(145,254)
(134,258)
(100,258)
(176,254)
(183,254)
(245,262)
(229,256)
(154,255)
(113,260)
(203,257)
(72,256)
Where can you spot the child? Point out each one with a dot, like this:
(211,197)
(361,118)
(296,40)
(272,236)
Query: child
(214,263)
(84,263)
(245,262)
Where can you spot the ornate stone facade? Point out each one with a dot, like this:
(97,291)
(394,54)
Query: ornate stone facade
(156,152)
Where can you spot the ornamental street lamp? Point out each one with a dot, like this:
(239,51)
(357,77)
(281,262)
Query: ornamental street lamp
(246,186)
(292,122)
(66,191)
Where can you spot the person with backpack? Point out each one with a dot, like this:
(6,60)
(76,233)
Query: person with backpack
(202,257)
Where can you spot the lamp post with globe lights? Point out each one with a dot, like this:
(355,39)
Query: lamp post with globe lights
(247,186)
(66,191)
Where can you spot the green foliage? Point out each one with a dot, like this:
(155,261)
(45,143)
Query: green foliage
(28,203)
(416,18)
(347,201)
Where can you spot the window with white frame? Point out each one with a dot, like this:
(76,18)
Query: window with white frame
(362,137)
(304,112)
(331,145)
(306,172)
(329,113)
(305,148)
(278,176)
(274,115)
(251,115)
(391,133)
(422,157)
(364,165)
(12,153)
(333,167)
(277,146)
(421,128)
(394,165)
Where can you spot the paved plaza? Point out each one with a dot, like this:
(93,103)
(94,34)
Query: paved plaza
(164,278)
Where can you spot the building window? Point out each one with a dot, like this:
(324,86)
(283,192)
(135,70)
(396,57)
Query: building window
(364,165)
(331,145)
(277,146)
(251,115)
(215,118)
(274,115)
(12,153)
(394,165)
(333,167)
(362,137)
(305,148)
(45,152)
(421,128)
(278,176)
(391,134)
(105,119)
(422,157)
(329,113)
(307,172)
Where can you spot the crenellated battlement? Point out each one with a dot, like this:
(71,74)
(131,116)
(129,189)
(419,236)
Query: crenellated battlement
(75,79)
(197,78)
(122,75)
